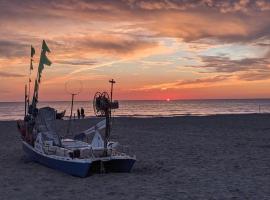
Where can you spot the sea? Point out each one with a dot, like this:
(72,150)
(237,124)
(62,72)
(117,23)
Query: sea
(142,108)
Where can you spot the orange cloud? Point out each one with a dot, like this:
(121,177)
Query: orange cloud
(198,83)
(106,44)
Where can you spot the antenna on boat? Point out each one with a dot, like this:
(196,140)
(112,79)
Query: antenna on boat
(73,87)
(102,105)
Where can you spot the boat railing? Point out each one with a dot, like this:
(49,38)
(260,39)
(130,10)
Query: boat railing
(121,150)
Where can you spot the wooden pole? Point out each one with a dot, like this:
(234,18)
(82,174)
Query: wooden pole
(25,99)
(36,87)
(112,82)
(72,100)
(29,85)
(108,122)
(71,110)
(107,132)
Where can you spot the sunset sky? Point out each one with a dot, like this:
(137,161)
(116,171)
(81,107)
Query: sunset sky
(175,49)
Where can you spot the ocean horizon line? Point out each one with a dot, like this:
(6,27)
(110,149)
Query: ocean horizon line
(207,99)
(15,110)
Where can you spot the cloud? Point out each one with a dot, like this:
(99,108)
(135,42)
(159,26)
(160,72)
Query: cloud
(255,76)
(263,5)
(223,21)
(115,44)
(220,5)
(104,5)
(199,82)
(247,69)
(76,62)
(222,64)
(205,80)
(84,48)
(12,49)
(94,46)
(10,75)
(160,5)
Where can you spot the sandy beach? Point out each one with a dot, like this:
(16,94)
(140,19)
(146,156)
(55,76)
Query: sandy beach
(209,157)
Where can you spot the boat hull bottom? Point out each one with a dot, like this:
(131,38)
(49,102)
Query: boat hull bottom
(72,168)
(80,169)
(113,165)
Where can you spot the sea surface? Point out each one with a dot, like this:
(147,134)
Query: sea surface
(15,110)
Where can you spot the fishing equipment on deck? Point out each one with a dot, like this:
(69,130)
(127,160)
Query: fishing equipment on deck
(103,105)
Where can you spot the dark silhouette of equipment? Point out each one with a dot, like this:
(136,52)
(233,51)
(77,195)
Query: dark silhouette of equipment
(103,105)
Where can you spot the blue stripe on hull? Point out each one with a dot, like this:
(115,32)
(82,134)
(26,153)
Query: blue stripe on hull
(69,167)
(119,165)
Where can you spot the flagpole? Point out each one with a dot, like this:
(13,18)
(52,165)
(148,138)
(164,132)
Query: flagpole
(71,111)
(25,99)
(34,100)
(29,85)
(30,69)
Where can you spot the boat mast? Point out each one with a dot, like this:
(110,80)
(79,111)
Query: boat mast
(30,69)
(43,60)
(108,115)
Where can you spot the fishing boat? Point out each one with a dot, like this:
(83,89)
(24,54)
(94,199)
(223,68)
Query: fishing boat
(88,152)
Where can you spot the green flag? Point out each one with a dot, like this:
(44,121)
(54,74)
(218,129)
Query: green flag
(42,61)
(32,51)
(31,60)
(39,78)
(45,47)
(45,60)
(31,65)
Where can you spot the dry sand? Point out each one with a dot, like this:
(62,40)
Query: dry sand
(212,157)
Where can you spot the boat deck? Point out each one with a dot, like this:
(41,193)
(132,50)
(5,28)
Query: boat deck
(74,144)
